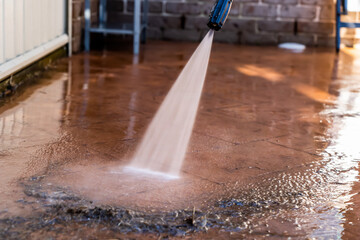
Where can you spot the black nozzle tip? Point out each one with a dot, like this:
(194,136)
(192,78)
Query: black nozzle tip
(214,26)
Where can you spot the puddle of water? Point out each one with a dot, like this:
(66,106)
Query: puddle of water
(265,159)
(32,121)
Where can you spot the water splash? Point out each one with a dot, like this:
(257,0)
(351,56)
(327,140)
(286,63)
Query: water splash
(164,144)
(147,172)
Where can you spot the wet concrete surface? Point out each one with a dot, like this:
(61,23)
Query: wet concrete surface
(274,152)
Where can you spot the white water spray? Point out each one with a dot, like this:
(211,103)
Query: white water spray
(164,144)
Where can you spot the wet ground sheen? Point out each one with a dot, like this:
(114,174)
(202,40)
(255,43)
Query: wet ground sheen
(274,151)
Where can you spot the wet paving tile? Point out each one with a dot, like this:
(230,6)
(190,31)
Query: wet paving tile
(275,135)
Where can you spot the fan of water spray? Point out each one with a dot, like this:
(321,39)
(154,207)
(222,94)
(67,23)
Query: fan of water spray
(163,147)
(162,150)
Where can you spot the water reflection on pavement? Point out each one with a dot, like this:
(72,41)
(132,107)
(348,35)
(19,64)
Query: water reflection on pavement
(274,148)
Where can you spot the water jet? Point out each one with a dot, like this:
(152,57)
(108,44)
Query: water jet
(162,150)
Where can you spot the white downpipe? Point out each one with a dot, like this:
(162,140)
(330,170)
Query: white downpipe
(69,27)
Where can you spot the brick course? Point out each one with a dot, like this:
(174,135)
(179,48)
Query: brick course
(255,10)
(190,8)
(298,12)
(154,6)
(327,12)
(310,22)
(324,28)
(276,26)
(315,2)
(284,2)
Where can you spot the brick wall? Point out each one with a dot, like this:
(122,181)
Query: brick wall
(250,22)
(262,22)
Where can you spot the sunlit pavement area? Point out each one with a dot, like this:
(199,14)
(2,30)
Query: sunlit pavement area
(274,151)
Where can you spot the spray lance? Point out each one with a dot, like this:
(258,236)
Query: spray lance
(219,14)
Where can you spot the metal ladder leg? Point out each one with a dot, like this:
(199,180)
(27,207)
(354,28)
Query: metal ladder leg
(87,14)
(338,39)
(145,21)
(102,13)
(338,15)
(137,26)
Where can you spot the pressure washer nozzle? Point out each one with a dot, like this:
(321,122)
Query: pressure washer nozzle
(219,14)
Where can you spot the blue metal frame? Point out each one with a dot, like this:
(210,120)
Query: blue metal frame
(102,13)
(144,21)
(341,9)
(138,28)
